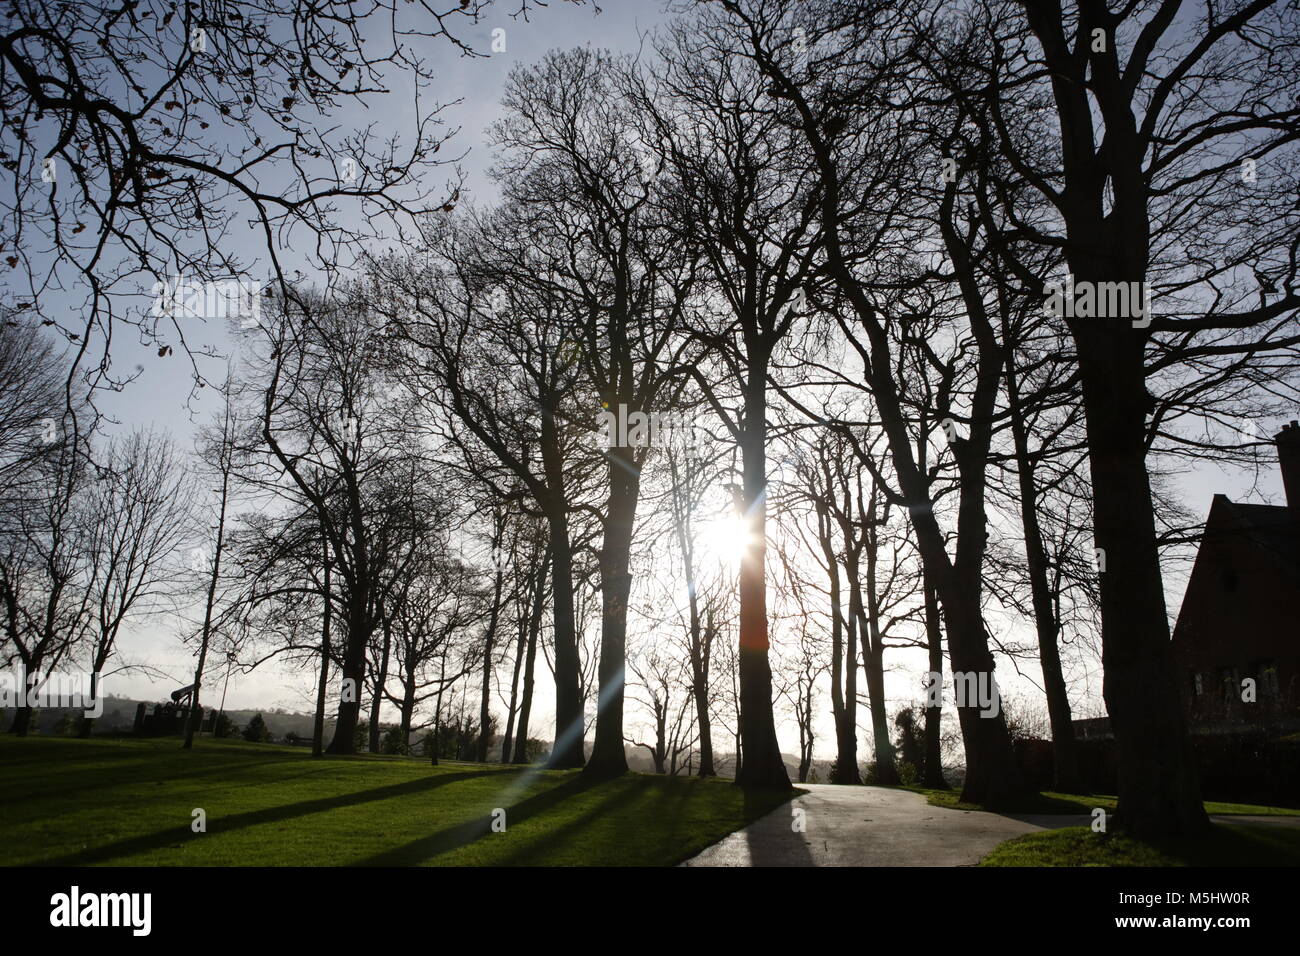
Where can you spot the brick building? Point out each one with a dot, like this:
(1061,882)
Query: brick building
(1240,616)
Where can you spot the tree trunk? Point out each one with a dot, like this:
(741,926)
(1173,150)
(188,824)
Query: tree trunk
(661,738)
(513,709)
(349,712)
(993,777)
(381,679)
(934,715)
(567,751)
(701,637)
(191,725)
(763,766)
(88,723)
(1159,793)
(570,734)
(1065,759)
(886,767)
(408,705)
(805,718)
(22,721)
(848,771)
(607,755)
(322,688)
(437,708)
(489,641)
(537,580)
(534,632)
(873,652)
(359,629)
(1108,231)
(196,712)
(700,691)
(843,674)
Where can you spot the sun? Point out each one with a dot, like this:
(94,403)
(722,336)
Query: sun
(726,539)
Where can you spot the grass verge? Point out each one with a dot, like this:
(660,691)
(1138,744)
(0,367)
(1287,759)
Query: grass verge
(126,802)
(1049,802)
(1222,845)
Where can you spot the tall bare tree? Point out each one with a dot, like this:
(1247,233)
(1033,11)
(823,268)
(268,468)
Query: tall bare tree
(138,519)
(1160,142)
(218,454)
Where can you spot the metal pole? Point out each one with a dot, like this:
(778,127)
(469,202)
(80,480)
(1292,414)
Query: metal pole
(230,660)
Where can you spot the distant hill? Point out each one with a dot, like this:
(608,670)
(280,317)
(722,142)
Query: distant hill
(119,717)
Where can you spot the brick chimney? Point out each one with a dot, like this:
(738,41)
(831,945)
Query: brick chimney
(1288,456)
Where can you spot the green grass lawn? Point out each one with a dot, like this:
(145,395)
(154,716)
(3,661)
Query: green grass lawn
(129,802)
(1223,845)
(1049,802)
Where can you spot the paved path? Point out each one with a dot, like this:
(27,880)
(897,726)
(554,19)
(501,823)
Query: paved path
(864,826)
(877,826)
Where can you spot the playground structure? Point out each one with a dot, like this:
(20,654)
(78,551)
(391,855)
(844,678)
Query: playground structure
(169,719)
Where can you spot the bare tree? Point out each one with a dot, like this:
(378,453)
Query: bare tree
(138,519)
(571,136)
(31,390)
(1139,132)
(753,214)
(140,137)
(660,688)
(334,436)
(866,167)
(44,583)
(218,454)
(489,350)
(688,476)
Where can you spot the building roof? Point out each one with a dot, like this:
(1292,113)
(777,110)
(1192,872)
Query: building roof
(1271,528)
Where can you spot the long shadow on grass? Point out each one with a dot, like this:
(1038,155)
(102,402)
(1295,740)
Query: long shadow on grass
(67,768)
(172,835)
(453,838)
(538,851)
(133,774)
(682,794)
(682,790)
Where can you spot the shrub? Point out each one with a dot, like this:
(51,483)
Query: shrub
(910,723)
(257,732)
(394,742)
(536,750)
(225,727)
